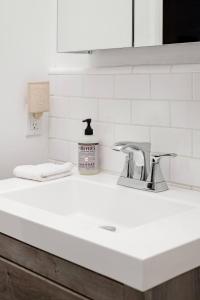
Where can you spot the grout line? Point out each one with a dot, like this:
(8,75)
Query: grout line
(98,109)
(82,85)
(171,69)
(192,142)
(122,98)
(114,86)
(131,111)
(170,114)
(130,68)
(193,87)
(133,72)
(150,87)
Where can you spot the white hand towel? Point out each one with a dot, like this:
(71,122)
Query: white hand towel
(43,172)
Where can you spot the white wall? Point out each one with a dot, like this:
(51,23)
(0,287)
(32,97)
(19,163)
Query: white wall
(27,48)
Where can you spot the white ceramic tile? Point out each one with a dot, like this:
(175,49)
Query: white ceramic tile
(171,86)
(98,86)
(196,86)
(58,128)
(194,171)
(171,140)
(186,171)
(190,68)
(196,144)
(66,85)
(185,114)
(113,70)
(111,160)
(180,171)
(165,168)
(59,150)
(115,111)
(132,133)
(73,152)
(136,86)
(151,69)
(81,108)
(76,130)
(105,133)
(59,107)
(150,113)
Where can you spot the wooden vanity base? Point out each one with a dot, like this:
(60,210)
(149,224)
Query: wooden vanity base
(27,273)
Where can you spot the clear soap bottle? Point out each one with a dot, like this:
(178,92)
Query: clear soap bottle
(88,152)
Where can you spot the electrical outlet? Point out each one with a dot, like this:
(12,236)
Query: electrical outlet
(33,126)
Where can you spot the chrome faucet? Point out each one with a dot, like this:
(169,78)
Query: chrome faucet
(141,170)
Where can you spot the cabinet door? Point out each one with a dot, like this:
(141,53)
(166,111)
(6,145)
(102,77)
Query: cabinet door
(17,283)
(94,24)
(181,21)
(148,20)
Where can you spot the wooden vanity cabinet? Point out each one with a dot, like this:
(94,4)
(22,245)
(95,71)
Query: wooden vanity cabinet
(27,273)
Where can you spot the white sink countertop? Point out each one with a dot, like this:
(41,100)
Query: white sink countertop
(152,237)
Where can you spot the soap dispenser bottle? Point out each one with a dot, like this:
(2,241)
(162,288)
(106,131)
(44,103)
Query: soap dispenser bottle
(88,152)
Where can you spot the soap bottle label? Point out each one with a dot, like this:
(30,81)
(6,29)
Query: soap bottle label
(88,157)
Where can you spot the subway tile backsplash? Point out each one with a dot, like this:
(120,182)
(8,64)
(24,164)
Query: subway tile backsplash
(171,86)
(98,86)
(160,104)
(132,86)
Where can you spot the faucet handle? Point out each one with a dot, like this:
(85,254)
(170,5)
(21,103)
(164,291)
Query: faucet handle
(156,157)
(130,147)
(156,179)
(119,146)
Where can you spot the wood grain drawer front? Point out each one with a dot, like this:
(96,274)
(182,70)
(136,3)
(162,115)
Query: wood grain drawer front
(69,275)
(17,283)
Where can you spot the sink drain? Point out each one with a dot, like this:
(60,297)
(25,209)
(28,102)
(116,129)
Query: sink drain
(109,228)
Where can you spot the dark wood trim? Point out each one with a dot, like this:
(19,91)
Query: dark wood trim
(131,294)
(28,273)
(184,287)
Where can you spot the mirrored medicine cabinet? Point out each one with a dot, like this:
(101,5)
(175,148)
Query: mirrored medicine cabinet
(89,25)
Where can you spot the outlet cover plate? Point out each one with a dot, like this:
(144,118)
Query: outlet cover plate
(34,126)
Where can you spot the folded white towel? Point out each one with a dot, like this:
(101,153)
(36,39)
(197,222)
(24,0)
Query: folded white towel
(43,172)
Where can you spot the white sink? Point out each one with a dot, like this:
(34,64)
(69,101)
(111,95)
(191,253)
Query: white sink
(138,238)
(93,204)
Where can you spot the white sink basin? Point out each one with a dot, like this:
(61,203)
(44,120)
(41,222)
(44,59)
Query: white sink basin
(92,204)
(138,238)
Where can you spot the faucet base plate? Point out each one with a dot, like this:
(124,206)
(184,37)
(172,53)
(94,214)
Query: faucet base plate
(143,185)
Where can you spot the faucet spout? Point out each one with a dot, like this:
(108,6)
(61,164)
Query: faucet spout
(137,164)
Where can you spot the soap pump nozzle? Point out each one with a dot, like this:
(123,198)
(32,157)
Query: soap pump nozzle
(88,130)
